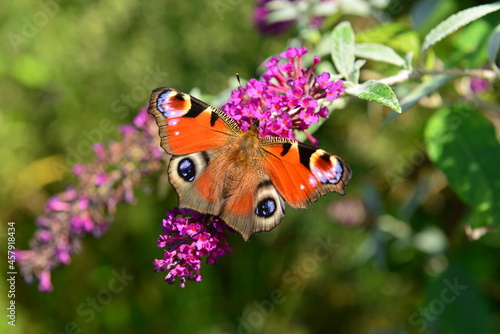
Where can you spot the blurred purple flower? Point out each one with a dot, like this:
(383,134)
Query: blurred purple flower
(275,17)
(187,237)
(286,99)
(261,20)
(89,206)
(479,85)
(350,212)
(45,282)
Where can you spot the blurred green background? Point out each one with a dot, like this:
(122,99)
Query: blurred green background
(397,243)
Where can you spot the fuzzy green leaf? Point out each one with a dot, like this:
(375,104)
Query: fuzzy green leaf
(376,91)
(343,50)
(455,22)
(379,52)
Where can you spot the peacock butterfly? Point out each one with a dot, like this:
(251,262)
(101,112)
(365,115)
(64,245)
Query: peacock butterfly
(217,168)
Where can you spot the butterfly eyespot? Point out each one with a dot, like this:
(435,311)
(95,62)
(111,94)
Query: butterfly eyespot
(186,169)
(266,208)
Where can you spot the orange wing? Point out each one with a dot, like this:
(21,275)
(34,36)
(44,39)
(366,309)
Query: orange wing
(188,125)
(303,173)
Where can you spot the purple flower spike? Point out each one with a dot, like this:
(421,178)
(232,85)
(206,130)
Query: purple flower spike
(286,99)
(187,237)
(88,207)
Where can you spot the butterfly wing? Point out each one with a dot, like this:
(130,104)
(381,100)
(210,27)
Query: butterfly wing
(241,194)
(261,211)
(303,173)
(188,125)
(254,206)
(192,132)
(193,177)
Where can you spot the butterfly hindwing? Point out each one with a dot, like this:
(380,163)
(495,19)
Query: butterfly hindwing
(191,177)
(188,125)
(256,205)
(303,173)
(242,195)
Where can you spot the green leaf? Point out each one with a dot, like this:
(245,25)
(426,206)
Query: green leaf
(343,50)
(422,90)
(455,22)
(357,70)
(463,145)
(379,52)
(376,91)
(494,48)
(409,61)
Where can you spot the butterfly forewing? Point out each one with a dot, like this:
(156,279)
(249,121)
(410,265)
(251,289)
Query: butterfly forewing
(303,173)
(188,125)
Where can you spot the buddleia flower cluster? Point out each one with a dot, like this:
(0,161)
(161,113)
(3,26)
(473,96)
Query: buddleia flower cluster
(188,237)
(88,207)
(286,99)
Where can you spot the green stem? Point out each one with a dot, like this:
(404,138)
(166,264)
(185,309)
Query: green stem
(489,75)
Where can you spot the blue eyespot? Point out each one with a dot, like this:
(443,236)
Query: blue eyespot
(186,169)
(266,208)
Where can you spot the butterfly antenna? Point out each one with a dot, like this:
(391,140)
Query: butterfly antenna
(238,78)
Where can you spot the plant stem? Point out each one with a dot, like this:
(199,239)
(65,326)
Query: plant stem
(404,75)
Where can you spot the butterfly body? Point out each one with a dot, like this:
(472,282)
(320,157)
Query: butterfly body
(219,169)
